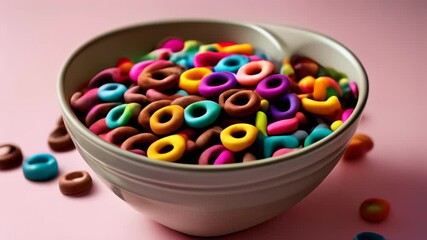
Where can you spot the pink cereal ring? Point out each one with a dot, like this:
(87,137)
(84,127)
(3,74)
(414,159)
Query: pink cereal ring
(217,154)
(173,44)
(99,127)
(109,75)
(83,102)
(99,111)
(282,151)
(155,95)
(252,73)
(209,59)
(282,127)
(137,69)
(346,114)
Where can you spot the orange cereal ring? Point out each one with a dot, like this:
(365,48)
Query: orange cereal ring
(167,119)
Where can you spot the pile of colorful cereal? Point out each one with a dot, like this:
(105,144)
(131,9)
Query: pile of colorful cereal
(218,103)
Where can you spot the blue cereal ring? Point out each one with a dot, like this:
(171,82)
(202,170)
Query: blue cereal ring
(201,114)
(273,143)
(368,236)
(317,134)
(231,63)
(112,92)
(122,115)
(40,167)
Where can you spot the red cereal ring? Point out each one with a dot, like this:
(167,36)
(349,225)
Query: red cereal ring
(118,135)
(59,140)
(139,143)
(75,183)
(374,209)
(99,111)
(242,103)
(147,111)
(160,75)
(10,156)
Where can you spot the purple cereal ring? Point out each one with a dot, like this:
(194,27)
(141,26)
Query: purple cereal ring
(216,83)
(283,126)
(83,102)
(137,69)
(273,87)
(209,59)
(216,154)
(136,94)
(109,75)
(252,73)
(139,143)
(286,107)
(99,111)
(160,75)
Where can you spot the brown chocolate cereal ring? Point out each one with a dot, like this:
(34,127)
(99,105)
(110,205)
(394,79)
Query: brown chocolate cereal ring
(59,140)
(10,156)
(118,135)
(209,137)
(136,94)
(160,75)
(74,183)
(147,111)
(187,100)
(225,95)
(242,104)
(139,141)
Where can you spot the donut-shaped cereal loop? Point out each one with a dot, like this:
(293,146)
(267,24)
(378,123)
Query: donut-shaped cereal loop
(109,75)
(160,75)
(273,143)
(317,134)
(209,137)
(118,135)
(325,87)
(273,87)
(187,100)
(216,155)
(286,107)
(231,63)
(225,95)
(201,114)
(147,111)
(167,120)
(139,143)
(242,103)
(238,137)
(83,102)
(252,73)
(216,83)
(170,148)
(190,79)
(111,92)
(75,183)
(122,115)
(10,156)
(137,69)
(99,111)
(135,94)
(59,140)
(155,95)
(40,167)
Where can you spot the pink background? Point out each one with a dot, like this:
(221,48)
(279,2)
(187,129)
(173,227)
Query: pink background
(389,37)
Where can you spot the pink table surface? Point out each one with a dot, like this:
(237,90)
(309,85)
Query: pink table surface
(389,37)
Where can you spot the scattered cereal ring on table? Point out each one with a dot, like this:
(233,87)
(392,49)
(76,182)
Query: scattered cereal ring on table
(59,140)
(40,167)
(374,210)
(75,183)
(10,156)
(359,145)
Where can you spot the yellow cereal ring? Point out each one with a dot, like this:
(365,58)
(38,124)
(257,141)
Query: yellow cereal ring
(167,119)
(238,136)
(170,148)
(330,106)
(190,79)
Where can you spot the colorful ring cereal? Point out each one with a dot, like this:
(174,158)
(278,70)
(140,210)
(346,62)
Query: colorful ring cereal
(252,73)
(331,105)
(273,86)
(191,78)
(122,115)
(75,183)
(147,111)
(170,148)
(359,145)
(187,100)
(216,155)
(83,102)
(201,114)
(160,75)
(135,94)
(59,140)
(286,107)
(316,135)
(136,69)
(242,103)
(167,119)
(99,111)
(111,92)
(118,135)
(238,137)
(109,75)
(216,83)
(231,63)
(243,48)
(273,143)
(10,156)
(209,137)
(40,167)
(374,210)
(139,143)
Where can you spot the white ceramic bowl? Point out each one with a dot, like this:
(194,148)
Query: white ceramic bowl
(209,200)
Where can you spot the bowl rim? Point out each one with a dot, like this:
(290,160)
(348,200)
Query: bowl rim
(136,159)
